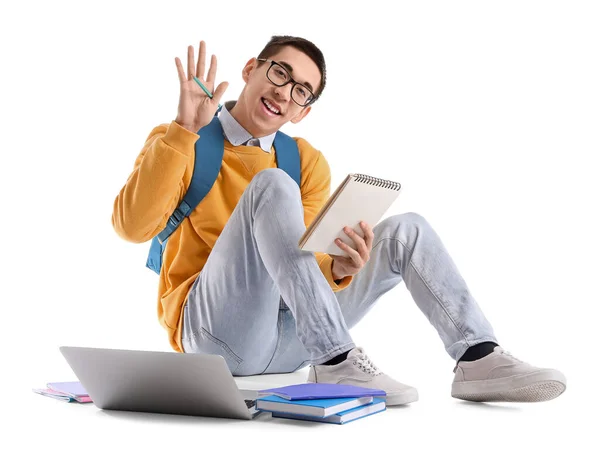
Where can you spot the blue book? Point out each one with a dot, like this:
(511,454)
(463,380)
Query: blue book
(315,391)
(313,408)
(378,405)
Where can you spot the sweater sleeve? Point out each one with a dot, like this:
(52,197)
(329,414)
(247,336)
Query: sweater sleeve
(156,184)
(315,189)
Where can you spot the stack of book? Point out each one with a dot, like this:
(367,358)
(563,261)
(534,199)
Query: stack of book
(327,403)
(65,391)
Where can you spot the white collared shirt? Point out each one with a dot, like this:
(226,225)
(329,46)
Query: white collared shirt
(237,134)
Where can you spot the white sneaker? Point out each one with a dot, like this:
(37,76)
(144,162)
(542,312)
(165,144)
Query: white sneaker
(500,376)
(358,370)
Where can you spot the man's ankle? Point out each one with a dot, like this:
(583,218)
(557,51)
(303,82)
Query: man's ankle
(337,359)
(479,351)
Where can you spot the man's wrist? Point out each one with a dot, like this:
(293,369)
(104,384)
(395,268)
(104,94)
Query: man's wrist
(335,277)
(186,126)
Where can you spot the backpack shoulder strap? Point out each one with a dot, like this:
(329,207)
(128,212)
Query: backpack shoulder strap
(209,149)
(288,155)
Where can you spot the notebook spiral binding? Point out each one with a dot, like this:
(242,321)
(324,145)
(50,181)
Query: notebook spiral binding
(362,178)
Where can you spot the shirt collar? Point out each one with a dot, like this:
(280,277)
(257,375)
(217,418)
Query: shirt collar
(236,134)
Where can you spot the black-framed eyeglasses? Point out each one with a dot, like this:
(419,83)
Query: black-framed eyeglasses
(279,76)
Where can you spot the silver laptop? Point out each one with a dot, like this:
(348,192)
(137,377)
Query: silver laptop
(162,382)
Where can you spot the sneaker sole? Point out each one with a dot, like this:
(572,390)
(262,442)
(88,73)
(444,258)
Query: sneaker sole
(542,385)
(400,398)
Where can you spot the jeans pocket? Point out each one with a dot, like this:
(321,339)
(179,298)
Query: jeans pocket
(209,344)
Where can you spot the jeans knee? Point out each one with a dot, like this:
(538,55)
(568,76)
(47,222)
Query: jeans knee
(278,181)
(406,223)
(411,218)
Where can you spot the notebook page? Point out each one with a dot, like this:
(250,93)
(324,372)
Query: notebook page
(357,201)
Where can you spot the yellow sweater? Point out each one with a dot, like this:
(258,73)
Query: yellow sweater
(160,178)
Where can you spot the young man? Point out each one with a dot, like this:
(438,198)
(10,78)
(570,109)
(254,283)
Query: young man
(233,280)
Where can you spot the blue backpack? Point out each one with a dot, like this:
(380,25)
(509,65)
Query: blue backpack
(209,150)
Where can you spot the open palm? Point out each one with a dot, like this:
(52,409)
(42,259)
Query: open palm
(196,109)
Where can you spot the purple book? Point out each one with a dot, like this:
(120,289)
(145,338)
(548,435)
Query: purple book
(317,391)
(72,389)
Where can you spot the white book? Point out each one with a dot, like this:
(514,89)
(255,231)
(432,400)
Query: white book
(358,198)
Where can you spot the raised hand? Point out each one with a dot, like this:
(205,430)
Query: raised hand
(196,109)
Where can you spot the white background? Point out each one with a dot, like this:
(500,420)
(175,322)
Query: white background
(486,112)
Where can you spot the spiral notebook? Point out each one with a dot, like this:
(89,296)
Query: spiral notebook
(358,198)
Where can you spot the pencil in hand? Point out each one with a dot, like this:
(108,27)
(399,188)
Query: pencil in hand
(204,88)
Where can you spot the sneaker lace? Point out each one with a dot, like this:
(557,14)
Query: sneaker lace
(365,364)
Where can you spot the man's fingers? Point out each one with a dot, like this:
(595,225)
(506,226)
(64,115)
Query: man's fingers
(219,91)
(359,242)
(343,246)
(201,67)
(190,63)
(212,71)
(180,71)
(354,256)
(369,235)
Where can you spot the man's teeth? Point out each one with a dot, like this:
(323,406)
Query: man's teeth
(271,107)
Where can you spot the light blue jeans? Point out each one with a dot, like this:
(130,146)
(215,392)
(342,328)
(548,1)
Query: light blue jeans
(265,306)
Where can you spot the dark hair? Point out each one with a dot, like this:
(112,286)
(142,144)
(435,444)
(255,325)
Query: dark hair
(303,45)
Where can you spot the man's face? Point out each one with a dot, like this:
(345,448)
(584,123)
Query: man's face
(265,106)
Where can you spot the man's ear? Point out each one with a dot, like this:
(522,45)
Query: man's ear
(303,113)
(250,66)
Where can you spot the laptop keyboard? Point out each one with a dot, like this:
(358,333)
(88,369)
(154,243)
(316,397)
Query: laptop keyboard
(250,403)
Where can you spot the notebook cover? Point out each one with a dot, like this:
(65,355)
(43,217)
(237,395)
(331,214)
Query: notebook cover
(52,394)
(340,418)
(312,391)
(358,198)
(60,396)
(73,389)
